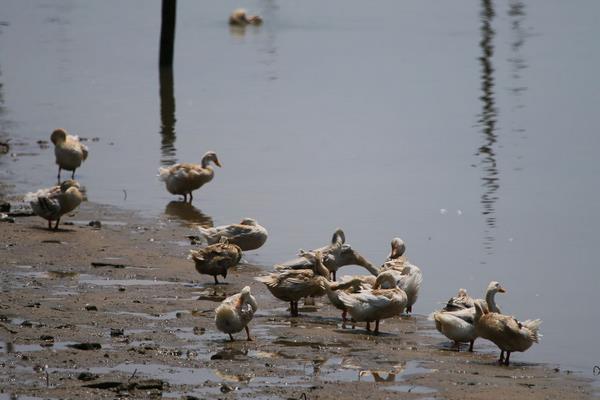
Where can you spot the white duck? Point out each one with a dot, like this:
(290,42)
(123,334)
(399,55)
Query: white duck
(68,150)
(248,234)
(239,17)
(376,304)
(459,325)
(505,331)
(54,202)
(183,179)
(235,312)
(408,276)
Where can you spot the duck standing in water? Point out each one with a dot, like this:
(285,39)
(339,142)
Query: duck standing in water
(54,202)
(247,234)
(68,150)
(235,312)
(216,259)
(505,331)
(183,179)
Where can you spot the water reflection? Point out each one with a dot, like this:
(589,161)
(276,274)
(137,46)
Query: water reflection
(516,13)
(487,121)
(188,213)
(269,9)
(167,116)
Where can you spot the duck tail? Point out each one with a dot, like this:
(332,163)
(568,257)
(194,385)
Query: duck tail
(533,327)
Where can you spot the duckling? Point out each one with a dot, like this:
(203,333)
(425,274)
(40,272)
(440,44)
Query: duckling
(294,284)
(459,325)
(183,179)
(68,150)
(216,259)
(408,276)
(505,331)
(335,255)
(239,17)
(235,312)
(248,234)
(54,202)
(376,304)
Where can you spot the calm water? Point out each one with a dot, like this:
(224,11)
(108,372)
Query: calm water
(467,128)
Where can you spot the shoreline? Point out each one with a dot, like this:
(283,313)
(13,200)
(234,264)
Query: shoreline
(153,319)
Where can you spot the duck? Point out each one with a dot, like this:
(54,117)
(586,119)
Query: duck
(335,255)
(239,17)
(294,284)
(68,150)
(460,302)
(408,276)
(463,301)
(52,203)
(183,179)
(376,304)
(505,331)
(217,258)
(235,313)
(459,325)
(247,234)
(350,284)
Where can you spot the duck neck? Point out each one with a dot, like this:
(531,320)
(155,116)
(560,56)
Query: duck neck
(205,162)
(490,299)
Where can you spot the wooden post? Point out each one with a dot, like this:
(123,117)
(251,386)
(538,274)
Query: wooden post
(167,33)
(167,116)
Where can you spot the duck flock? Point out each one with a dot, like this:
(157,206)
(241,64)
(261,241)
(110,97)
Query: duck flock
(387,291)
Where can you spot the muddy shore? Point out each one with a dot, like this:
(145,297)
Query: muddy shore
(145,318)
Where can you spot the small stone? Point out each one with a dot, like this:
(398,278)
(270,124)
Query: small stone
(114,332)
(87,376)
(91,307)
(95,224)
(86,346)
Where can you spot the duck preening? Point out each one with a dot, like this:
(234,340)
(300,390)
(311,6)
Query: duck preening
(247,234)
(377,303)
(183,179)
(68,150)
(294,284)
(216,259)
(52,203)
(335,255)
(235,312)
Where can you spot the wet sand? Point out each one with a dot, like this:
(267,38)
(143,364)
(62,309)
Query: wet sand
(152,316)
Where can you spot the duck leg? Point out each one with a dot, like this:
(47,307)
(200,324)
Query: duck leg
(506,362)
(231,337)
(471,346)
(56,226)
(216,281)
(333,273)
(344,313)
(59,169)
(248,333)
(501,360)
(49,224)
(191,198)
(368,326)
(185,197)
(409,309)
(73,174)
(376,327)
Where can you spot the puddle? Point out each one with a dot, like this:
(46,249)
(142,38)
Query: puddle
(352,373)
(155,317)
(8,348)
(104,223)
(99,281)
(410,389)
(173,375)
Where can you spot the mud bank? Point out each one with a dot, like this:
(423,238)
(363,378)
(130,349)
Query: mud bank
(119,312)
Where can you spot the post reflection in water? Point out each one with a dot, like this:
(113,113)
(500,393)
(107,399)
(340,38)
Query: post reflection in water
(167,116)
(487,121)
(188,213)
(516,12)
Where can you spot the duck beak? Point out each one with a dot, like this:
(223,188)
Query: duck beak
(501,290)
(218,163)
